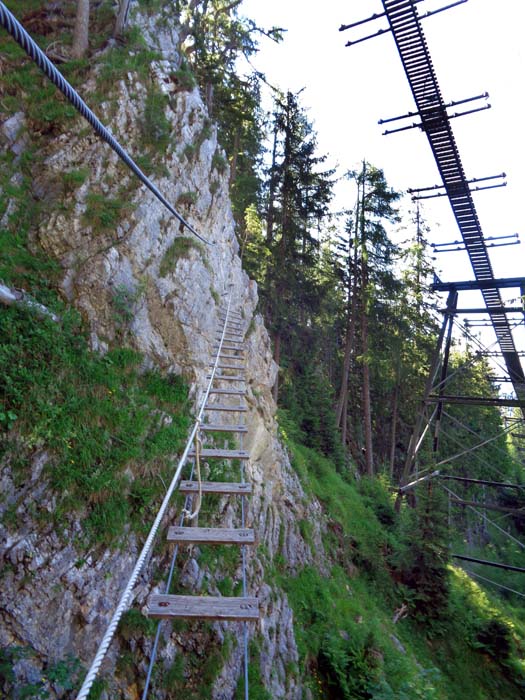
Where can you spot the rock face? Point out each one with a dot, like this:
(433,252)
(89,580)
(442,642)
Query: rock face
(147,280)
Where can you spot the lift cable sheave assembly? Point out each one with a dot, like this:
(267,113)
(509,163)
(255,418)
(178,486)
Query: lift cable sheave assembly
(19,34)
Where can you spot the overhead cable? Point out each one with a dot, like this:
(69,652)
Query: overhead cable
(486,519)
(494,583)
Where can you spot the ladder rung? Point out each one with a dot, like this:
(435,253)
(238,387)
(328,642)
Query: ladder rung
(222,454)
(222,407)
(233,320)
(206,607)
(211,535)
(233,392)
(239,369)
(227,346)
(222,487)
(223,428)
(228,377)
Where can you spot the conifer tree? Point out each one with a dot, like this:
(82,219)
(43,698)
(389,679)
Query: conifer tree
(369,258)
(298,197)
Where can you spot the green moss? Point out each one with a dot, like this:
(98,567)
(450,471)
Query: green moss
(172,679)
(255,684)
(155,127)
(180,248)
(133,624)
(219,162)
(75,178)
(190,151)
(103,213)
(184,78)
(187,199)
(131,57)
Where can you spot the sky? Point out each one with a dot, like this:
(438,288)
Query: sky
(476,47)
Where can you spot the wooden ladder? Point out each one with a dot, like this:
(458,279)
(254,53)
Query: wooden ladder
(240,608)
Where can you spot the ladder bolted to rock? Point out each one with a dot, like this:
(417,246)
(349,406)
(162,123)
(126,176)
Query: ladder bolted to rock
(241,608)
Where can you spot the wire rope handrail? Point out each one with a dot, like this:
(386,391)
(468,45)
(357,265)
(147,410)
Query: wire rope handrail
(127,595)
(19,34)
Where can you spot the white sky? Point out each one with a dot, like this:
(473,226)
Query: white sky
(475,47)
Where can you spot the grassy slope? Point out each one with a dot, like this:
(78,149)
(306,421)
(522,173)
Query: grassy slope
(474,649)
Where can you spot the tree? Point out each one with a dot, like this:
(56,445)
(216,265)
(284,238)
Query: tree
(299,193)
(367,274)
(81,31)
(122,18)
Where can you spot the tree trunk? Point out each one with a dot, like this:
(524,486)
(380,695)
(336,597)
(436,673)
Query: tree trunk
(393,438)
(367,408)
(81,33)
(209,98)
(344,425)
(277,359)
(271,195)
(343,390)
(122,18)
(235,155)
(351,322)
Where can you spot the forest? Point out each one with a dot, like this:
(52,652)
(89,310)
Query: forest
(345,294)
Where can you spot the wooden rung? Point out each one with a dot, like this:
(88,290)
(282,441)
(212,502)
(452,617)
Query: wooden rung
(222,407)
(239,369)
(223,428)
(211,535)
(222,487)
(227,346)
(233,392)
(228,377)
(205,453)
(205,607)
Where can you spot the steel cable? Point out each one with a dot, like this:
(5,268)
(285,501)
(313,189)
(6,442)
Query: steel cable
(494,583)
(244,583)
(485,518)
(153,657)
(496,447)
(19,34)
